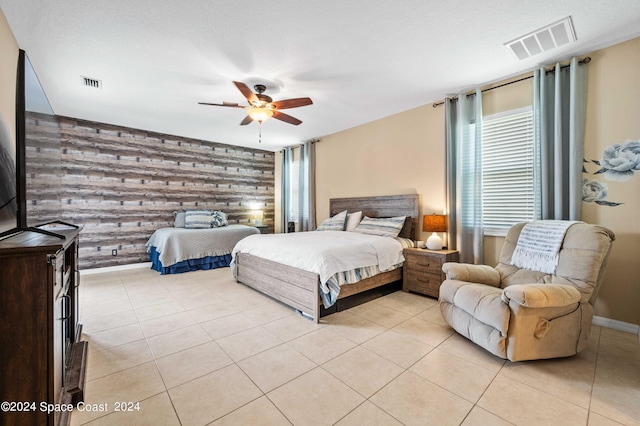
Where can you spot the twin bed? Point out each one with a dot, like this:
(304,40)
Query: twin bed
(177,250)
(342,263)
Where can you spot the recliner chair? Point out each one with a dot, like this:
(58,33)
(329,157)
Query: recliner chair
(520,314)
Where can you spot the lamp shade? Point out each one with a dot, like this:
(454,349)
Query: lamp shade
(260,113)
(258,215)
(434,223)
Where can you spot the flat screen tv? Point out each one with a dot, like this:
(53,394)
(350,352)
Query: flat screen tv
(8,190)
(35,154)
(11,155)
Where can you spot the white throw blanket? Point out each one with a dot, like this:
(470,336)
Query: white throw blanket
(538,245)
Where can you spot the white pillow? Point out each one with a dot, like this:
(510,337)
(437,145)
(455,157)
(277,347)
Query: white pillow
(335,223)
(384,227)
(353,219)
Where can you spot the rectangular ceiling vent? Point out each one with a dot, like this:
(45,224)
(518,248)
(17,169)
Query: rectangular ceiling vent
(91,82)
(543,39)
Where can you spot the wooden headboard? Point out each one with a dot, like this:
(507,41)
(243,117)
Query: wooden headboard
(382,206)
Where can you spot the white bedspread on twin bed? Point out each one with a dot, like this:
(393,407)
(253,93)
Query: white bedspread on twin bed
(324,252)
(178,244)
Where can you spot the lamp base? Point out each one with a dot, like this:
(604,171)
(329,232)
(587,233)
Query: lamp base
(258,222)
(434,242)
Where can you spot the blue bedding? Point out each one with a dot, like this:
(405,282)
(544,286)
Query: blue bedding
(204,263)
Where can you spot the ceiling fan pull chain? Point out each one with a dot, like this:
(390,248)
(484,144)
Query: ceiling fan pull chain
(260,132)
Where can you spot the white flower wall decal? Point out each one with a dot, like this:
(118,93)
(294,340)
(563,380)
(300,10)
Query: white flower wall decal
(596,192)
(620,162)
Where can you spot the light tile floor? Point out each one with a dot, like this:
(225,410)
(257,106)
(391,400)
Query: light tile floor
(198,348)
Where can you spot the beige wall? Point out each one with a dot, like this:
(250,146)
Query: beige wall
(404,153)
(613,116)
(8,67)
(400,154)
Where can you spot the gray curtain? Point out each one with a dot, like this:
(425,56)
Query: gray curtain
(463,133)
(307,187)
(559,100)
(285,202)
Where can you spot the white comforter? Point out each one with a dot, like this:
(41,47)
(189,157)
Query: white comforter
(323,252)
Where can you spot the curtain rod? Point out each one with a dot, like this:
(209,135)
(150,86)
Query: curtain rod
(581,62)
(300,144)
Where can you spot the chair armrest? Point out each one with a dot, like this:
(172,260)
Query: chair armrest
(541,295)
(481,274)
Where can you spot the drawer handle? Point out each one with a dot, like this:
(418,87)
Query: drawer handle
(424,264)
(427,281)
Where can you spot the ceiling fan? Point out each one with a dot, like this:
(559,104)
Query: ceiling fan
(261,107)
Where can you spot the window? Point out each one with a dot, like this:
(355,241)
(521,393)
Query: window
(508,190)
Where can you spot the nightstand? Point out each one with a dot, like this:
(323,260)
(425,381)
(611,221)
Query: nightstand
(263,229)
(422,270)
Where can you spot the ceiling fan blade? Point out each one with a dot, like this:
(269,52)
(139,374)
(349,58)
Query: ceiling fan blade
(246,121)
(286,118)
(292,103)
(246,92)
(224,104)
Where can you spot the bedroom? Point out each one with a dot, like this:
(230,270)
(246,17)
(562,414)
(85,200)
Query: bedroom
(415,164)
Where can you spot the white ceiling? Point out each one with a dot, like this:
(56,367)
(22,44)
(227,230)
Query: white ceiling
(358,60)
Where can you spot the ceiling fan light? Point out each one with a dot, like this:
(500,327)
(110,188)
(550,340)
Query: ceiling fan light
(260,114)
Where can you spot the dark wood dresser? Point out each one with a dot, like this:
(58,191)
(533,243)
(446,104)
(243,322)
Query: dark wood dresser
(41,356)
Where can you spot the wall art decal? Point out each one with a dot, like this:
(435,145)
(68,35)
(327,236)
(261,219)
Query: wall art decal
(596,192)
(620,161)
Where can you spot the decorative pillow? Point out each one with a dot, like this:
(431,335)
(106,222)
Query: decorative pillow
(197,219)
(406,242)
(384,227)
(218,219)
(335,223)
(178,219)
(353,219)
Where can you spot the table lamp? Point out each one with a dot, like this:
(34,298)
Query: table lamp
(258,215)
(434,223)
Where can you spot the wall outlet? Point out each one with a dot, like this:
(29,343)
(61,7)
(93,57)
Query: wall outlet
(114,252)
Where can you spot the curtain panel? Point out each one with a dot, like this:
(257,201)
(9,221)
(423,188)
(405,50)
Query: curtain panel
(559,103)
(463,133)
(307,187)
(285,201)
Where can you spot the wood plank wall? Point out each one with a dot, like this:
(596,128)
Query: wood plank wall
(121,184)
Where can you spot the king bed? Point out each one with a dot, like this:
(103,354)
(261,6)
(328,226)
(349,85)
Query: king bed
(302,289)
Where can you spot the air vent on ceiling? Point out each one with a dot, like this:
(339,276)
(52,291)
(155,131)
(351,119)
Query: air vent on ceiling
(543,39)
(91,82)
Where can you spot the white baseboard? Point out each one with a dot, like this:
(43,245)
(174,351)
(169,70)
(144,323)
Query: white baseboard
(115,268)
(616,325)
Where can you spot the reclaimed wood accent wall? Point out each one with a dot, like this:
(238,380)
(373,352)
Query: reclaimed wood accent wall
(122,184)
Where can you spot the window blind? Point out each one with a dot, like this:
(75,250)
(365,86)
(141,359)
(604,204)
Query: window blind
(508,191)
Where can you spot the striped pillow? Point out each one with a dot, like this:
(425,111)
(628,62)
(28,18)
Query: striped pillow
(197,219)
(335,223)
(384,227)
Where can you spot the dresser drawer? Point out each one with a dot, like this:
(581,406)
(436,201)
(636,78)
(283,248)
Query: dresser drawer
(427,265)
(419,282)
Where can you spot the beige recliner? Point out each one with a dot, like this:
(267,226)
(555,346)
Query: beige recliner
(520,314)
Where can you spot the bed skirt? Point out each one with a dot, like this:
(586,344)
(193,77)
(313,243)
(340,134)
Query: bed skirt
(204,263)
